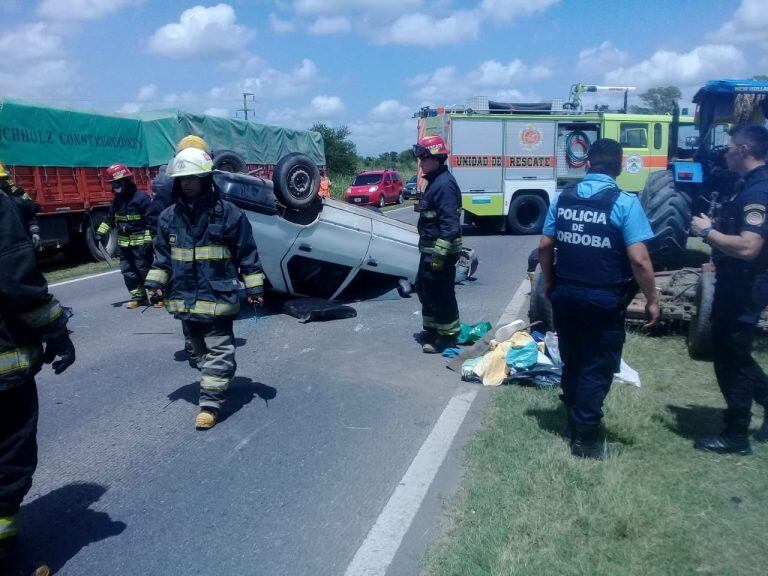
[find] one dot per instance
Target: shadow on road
(242, 391)
(56, 526)
(692, 421)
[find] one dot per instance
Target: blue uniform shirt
(627, 214)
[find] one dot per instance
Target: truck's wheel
(669, 212)
(700, 329)
(527, 213)
(228, 161)
(540, 308)
(297, 180)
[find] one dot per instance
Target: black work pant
(18, 444)
(439, 310)
(135, 262)
(735, 312)
(590, 329)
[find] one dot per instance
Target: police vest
(590, 248)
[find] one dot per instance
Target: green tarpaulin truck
(59, 157)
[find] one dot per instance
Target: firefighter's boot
(133, 304)
(440, 343)
(206, 419)
(426, 335)
(587, 442)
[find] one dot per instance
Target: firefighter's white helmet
(190, 162)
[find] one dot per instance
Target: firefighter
(27, 205)
(134, 241)
(325, 184)
(600, 233)
(33, 331)
(202, 244)
(439, 229)
(737, 239)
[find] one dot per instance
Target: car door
(327, 254)
(386, 187)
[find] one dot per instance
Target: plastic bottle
(504, 333)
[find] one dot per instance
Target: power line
(245, 108)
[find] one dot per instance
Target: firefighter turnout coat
(28, 313)
(439, 223)
(128, 214)
(201, 248)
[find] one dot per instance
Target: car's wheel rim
(299, 182)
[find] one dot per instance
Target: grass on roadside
(58, 268)
(658, 507)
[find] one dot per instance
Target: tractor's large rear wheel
(669, 212)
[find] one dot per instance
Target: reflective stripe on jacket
(200, 249)
(128, 214)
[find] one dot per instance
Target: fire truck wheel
(540, 308)
(297, 180)
(699, 338)
(669, 212)
(228, 161)
(526, 214)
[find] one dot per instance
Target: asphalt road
(322, 422)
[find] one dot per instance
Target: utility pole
(245, 108)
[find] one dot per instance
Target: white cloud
(364, 6)
(324, 106)
(281, 26)
(491, 78)
(220, 112)
(506, 10)
(201, 32)
(146, 92)
(331, 25)
(600, 59)
(373, 137)
(749, 24)
(682, 70)
(409, 29)
(71, 10)
(245, 64)
(389, 110)
(30, 42)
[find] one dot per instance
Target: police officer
(599, 232)
(439, 229)
(202, 244)
(129, 213)
(33, 331)
(741, 289)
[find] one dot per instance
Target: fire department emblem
(172, 238)
(530, 138)
(633, 163)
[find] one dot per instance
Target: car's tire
(699, 338)
(228, 161)
(382, 199)
(400, 198)
(297, 180)
(669, 212)
(540, 308)
(527, 213)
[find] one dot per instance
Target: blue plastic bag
(523, 357)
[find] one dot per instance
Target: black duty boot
(426, 336)
(733, 439)
(439, 344)
(587, 442)
(761, 434)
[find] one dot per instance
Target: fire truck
(511, 159)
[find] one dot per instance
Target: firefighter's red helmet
(430, 146)
(118, 172)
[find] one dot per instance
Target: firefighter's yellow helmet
(192, 141)
(4, 171)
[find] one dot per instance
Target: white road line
(379, 548)
(396, 209)
(83, 278)
(515, 310)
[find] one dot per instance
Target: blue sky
(367, 64)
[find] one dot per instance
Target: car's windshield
(411, 180)
(364, 179)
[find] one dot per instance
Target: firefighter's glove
(256, 300)
(438, 263)
(60, 347)
(155, 295)
(36, 241)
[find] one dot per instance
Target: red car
(376, 187)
